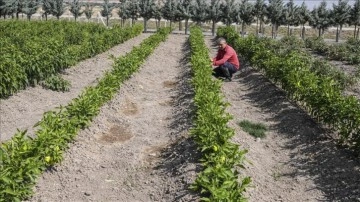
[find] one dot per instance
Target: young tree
(183, 12)
(320, 18)
(304, 17)
(2, 8)
(88, 11)
(123, 12)
(75, 8)
(133, 10)
(6, 8)
(30, 8)
(57, 8)
(12, 7)
(106, 11)
(169, 10)
(245, 15)
(228, 9)
(199, 11)
(355, 18)
(214, 14)
(275, 15)
(291, 14)
(260, 11)
(147, 10)
(340, 15)
(47, 8)
(157, 14)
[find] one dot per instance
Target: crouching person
(226, 61)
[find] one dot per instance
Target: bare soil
(25, 108)
(297, 160)
(137, 148)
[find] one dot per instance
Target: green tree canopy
(320, 18)
(146, 10)
(355, 18)
(275, 11)
(340, 15)
(75, 8)
(214, 14)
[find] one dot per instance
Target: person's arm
(218, 56)
(221, 61)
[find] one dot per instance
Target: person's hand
(211, 60)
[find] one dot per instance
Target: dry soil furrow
(136, 149)
(25, 108)
(295, 161)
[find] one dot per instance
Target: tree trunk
(58, 17)
(288, 30)
(170, 24)
(145, 23)
(337, 33)
(243, 29)
(303, 32)
(355, 31)
(28, 17)
(186, 26)
(357, 34)
(319, 32)
(339, 36)
(107, 21)
(17, 15)
(75, 17)
(213, 28)
(276, 30)
(180, 26)
(272, 31)
(257, 26)
(45, 16)
(132, 21)
(159, 23)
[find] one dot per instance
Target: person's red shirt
(227, 54)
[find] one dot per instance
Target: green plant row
(221, 158)
(319, 66)
(23, 158)
(320, 95)
(349, 51)
(32, 51)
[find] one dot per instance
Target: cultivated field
(142, 118)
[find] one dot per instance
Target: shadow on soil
(180, 160)
(335, 171)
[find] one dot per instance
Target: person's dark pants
(226, 70)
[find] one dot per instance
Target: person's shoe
(227, 79)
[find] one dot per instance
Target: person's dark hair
(221, 40)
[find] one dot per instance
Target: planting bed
(25, 108)
(138, 147)
(296, 161)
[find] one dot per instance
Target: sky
(312, 3)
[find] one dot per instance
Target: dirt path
(137, 148)
(26, 108)
(296, 161)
